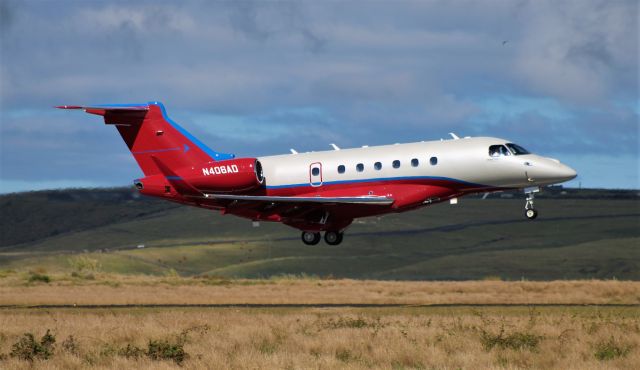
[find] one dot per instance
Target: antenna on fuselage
(454, 136)
(334, 146)
(293, 151)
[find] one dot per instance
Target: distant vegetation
(580, 234)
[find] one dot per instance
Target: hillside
(580, 234)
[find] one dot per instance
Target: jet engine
(228, 176)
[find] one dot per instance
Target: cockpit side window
(498, 150)
(517, 149)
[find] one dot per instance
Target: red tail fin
(148, 133)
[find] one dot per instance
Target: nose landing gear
(529, 211)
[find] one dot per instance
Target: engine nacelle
(232, 175)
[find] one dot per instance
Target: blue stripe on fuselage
(339, 182)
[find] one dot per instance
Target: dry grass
(23, 289)
(398, 338)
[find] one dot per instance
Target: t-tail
(174, 162)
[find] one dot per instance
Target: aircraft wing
(365, 199)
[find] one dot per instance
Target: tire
(310, 238)
(531, 214)
(333, 237)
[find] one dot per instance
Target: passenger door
(315, 174)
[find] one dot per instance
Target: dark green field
(578, 235)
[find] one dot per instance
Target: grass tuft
(611, 349)
(70, 345)
(516, 340)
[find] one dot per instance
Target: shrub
(131, 351)
(165, 350)
(84, 263)
(611, 349)
(171, 273)
(344, 355)
(37, 277)
(352, 323)
(28, 349)
(515, 340)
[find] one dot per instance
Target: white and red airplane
(322, 191)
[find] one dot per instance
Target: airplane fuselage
(326, 190)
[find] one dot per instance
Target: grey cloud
(261, 21)
(379, 71)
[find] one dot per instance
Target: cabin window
(415, 162)
(498, 151)
(517, 149)
(360, 167)
(315, 171)
(396, 164)
(377, 166)
(341, 168)
(433, 161)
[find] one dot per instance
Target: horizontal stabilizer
(110, 107)
(368, 199)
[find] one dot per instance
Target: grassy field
(28, 289)
(75, 292)
(323, 338)
(575, 238)
(415, 325)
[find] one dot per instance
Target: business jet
(322, 191)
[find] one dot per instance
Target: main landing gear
(529, 210)
(330, 237)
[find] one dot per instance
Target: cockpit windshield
(517, 149)
(498, 150)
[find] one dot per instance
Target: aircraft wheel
(310, 238)
(333, 237)
(531, 213)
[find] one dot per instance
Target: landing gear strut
(529, 210)
(310, 238)
(333, 237)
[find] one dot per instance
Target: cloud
(307, 73)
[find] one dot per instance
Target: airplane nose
(550, 171)
(568, 173)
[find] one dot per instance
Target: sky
(560, 78)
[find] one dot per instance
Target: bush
(165, 350)
(28, 349)
(353, 323)
(344, 355)
(84, 263)
(611, 349)
(131, 351)
(515, 340)
(37, 277)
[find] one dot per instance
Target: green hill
(579, 234)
